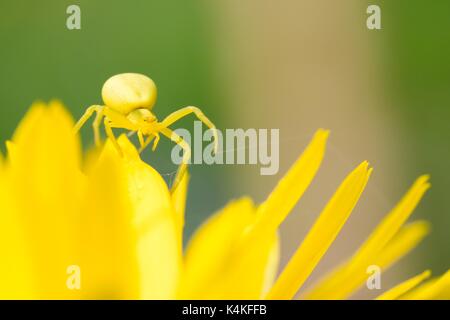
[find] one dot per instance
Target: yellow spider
(129, 99)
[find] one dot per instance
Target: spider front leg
(141, 139)
(114, 119)
(186, 155)
(149, 140)
(110, 135)
(155, 143)
(97, 122)
(177, 115)
(96, 126)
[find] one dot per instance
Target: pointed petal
(45, 185)
(434, 289)
(322, 234)
(403, 242)
(346, 279)
(393, 221)
(382, 234)
(399, 290)
(290, 189)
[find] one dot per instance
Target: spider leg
(114, 119)
(146, 143)
(110, 135)
(96, 126)
(186, 155)
(149, 140)
(177, 115)
(140, 138)
(85, 117)
(118, 120)
(155, 143)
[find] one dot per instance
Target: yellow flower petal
(109, 222)
(272, 268)
(322, 234)
(435, 289)
(220, 263)
(347, 278)
(116, 219)
(403, 242)
(138, 243)
(342, 276)
(45, 184)
(108, 260)
(289, 190)
(393, 221)
(15, 271)
(399, 290)
(158, 234)
(179, 196)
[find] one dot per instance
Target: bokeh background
(296, 65)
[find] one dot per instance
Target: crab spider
(128, 102)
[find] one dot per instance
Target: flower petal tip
(321, 135)
(365, 166)
(426, 274)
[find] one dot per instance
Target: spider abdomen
(126, 92)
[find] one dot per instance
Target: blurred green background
(416, 51)
(293, 65)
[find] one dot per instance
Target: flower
(113, 218)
